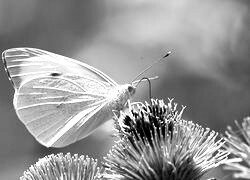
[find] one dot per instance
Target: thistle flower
(63, 167)
(155, 143)
(238, 144)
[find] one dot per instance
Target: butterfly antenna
(159, 60)
(149, 86)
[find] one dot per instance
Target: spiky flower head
(155, 143)
(63, 167)
(238, 144)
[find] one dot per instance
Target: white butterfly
(61, 100)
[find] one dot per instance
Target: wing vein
(32, 73)
(74, 121)
(24, 65)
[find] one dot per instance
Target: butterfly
(61, 100)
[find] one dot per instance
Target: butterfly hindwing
(49, 111)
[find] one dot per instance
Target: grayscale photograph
(125, 90)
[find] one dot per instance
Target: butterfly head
(121, 95)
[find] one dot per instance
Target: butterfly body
(61, 100)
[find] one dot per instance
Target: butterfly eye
(131, 90)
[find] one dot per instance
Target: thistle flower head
(238, 144)
(63, 167)
(155, 143)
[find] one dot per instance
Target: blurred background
(208, 70)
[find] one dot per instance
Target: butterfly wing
(58, 99)
(25, 63)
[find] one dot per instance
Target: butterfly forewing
(24, 63)
(59, 100)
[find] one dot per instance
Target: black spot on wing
(55, 74)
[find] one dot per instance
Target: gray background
(208, 70)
